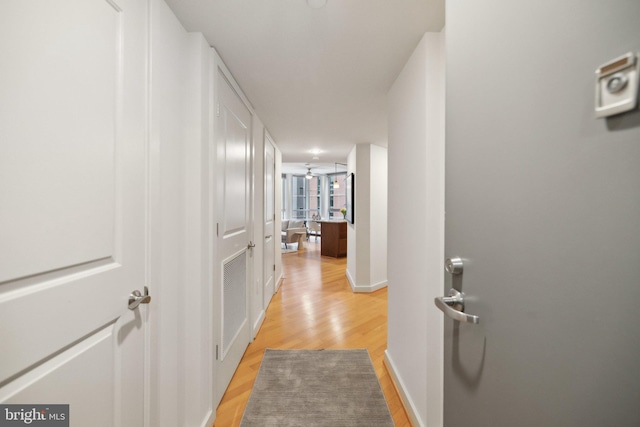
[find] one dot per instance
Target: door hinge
(274, 267)
(218, 109)
(217, 352)
(217, 229)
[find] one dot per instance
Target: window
(305, 198)
(314, 197)
(337, 197)
(298, 196)
(283, 210)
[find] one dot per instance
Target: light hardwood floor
(315, 308)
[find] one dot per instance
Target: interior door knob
(454, 265)
(136, 298)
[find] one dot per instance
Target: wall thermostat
(617, 86)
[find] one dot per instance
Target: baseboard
(258, 324)
(279, 282)
(365, 289)
(209, 419)
(371, 288)
(350, 279)
(407, 403)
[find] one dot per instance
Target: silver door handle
(268, 237)
(136, 298)
(251, 245)
(453, 306)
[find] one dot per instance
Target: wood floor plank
(315, 308)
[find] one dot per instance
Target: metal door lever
(268, 237)
(136, 298)
(453, 306)
(251, 245)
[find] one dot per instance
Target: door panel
(269, 215)
(542, 204)
(42, 384)
(235, 182)
(72, 216)
(233, 129)
(48, 93)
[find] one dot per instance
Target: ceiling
(316, 168)
(317, 78)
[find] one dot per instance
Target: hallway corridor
(314, 309)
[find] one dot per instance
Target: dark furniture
(334, 239)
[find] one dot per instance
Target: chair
(292, 231)
(313, 229)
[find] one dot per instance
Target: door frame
(275, 241)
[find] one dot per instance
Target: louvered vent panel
(234, 299)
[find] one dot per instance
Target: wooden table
(333, 240)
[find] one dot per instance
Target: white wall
(367, 237)
(180, 331)
(378, 217)
(352, 243)
(324, 196)
(416, 230)
(288, 191)
(168, 47)
(196, 353)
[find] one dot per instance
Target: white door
(72, 207)
(233, 130)
(543, 207)
(270, 237)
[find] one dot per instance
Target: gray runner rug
(313, 388)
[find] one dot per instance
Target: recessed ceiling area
(316, 168)
(317, 77)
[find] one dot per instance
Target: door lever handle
(268, 237)
(136, 298)
(251, 245)
(453, 306)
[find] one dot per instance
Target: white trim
(211, 216)
(365, 289)
(209, 419)
(258, 324)
(406, 400)
(352, 282)
(279, 282)
(150, 399)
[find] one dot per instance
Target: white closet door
(72, 207)
(270, 237)
(233, 130)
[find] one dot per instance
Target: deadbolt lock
(454, 265)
